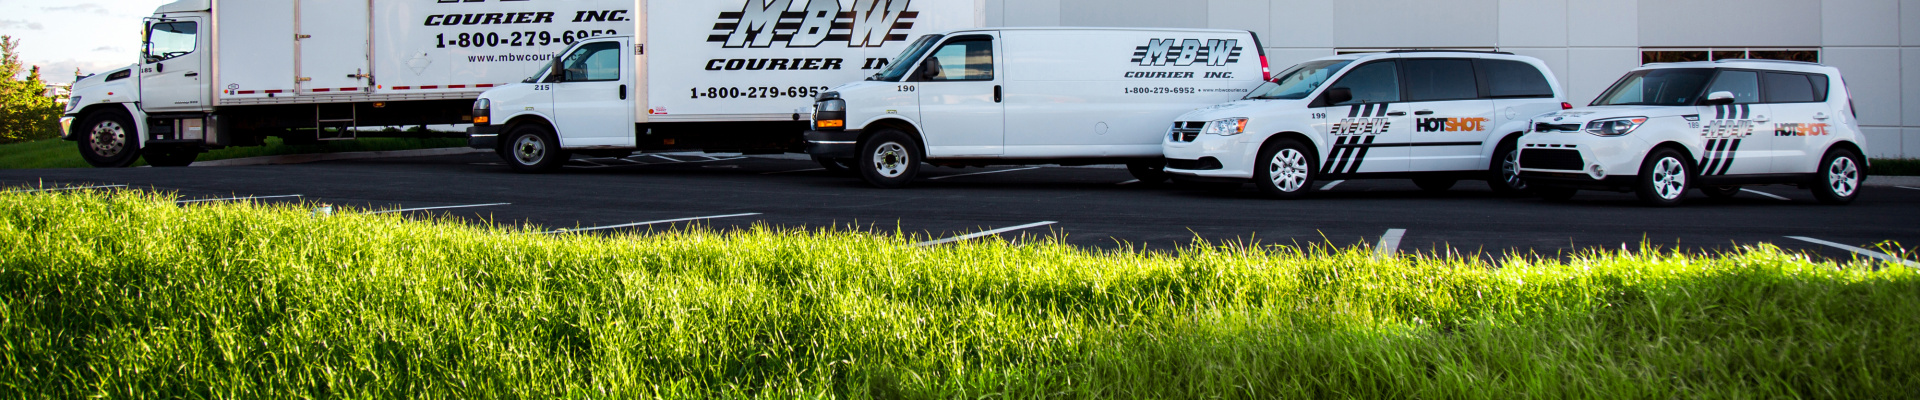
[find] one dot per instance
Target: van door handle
(1760, 118)
(1422, 113)
(623, 92)
(996, 93)
(1397, 114)
(1820, 116)
(191, 74)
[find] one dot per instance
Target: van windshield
(1657, 87)
(904, 63)
(1298, 82)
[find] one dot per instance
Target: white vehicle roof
(1772, 65)
(1090, 29)
(1432, 54)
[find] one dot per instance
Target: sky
(60, 35)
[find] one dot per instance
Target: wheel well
(516, 122)
(903, 126)
(85, 113)
(1493, 155)
(1850, 146)
(1313, 150)
(1676, 146)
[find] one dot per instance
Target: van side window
(594, 62)
(1440, 79)
(965, 59)
(1377, 82)
(1789, 88)
(1745, 86)
(1505, 79)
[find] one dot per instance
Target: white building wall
(1588, 43)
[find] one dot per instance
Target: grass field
(56, 153)
(126, 295)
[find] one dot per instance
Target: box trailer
(220, 73)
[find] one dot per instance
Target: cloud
(95, 8)
(62, 71)
(110, 49)
(19, 24)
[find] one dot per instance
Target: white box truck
(219, 73)
(716, 76)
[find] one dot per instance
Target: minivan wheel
(1840, 175)
(1504, 174)
(1285, 169)
(1664, 179)
(890, 159)
(109, 139)
(532, 148)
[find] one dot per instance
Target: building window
(1650, 56)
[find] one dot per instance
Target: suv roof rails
(1448, 51)
(1767, 60)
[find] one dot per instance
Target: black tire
(1664, 178)
(838, 166)
(1841, 173)
(1435, 185)
(533, 148)
(890, 159)
(1150, 172)
(1555, 194)
(1720, 192)
(1503, 175)
(170, 156)
(1286, 169)
(109, 139)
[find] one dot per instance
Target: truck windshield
(1298, 82)
(904, 63)
(1657, 87)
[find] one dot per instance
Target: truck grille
(1185, 132)
(1556, 159)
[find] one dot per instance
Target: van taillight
(1566, 106)
(1264, 71)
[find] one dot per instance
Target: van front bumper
(833, 144)
(484, 137)
(1577, 159)
(1211, 156)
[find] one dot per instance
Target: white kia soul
(1713, 126)
(1436, 117)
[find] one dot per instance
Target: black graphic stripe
(1707, 161)
(1339, 148)
(1383, 110)
(1353, 111)
(1720, 112)
(1732, 151)
(1746, 111)
(1362, 157)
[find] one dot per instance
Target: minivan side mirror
(1718, 99)
(1339, 95)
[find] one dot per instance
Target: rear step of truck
(343, 117)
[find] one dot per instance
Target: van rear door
(962, 108)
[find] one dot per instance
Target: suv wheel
(1285, 169)
(890, 159)
(1840, 177)
(1664, 179)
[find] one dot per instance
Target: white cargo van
(1073, 96)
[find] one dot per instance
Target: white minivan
(1070, 96)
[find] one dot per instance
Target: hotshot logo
(762, 23)
(1185, 52)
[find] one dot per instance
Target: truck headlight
(482, 112)
(830, 115)
(1615, 126)
(1226, 127)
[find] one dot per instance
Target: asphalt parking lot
(1094, 207)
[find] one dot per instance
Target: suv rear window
(1440, 79)
(1793, 88)
(1507, 79)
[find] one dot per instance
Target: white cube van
(1070, 96)
(1714, 126)
(1436, 117)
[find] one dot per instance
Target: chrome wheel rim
(1843, 176)
(1510, 170)
(1669, 178)
(109, 139)
(890, 160)
(1288, 170)
(529, 150)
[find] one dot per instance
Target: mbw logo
(761, 23)
(1178, 52)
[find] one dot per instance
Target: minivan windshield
(1657, 87)
(904, 63)
(1298, 82)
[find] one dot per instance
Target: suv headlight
(1226, 127)
(1615, 126)
(482, 112)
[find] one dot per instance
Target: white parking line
(66, 188)
(1129, 182)
(1856, 250)
(1389, 244)
(1774, 196)
(664, 157)
(666, 221)
(1330, 185)
(239, 198)
(794, 171)
(692, 162)
(984, 234)
(984, 173)
(438, 208)
(1909, 188)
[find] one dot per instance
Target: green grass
(126, 295)
(56, 153)
(1894, 167)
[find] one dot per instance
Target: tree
(26, 113)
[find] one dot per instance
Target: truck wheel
(836, 166)
(533, 148)
(1285, 170)
(1150, 172)
(1664, 179)
(1840, 177)
(109, 140)
(889, 159)
(1435, 185)
(1504, 174)
(1720, 192)
(170, 156)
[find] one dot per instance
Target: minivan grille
(1555, 159)
(1185, 131)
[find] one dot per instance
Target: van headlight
(482, 112)
(1615, 126)
(830, 115)
(1226, 127)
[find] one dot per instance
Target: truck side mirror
(1339, 95)
(1720, 98)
